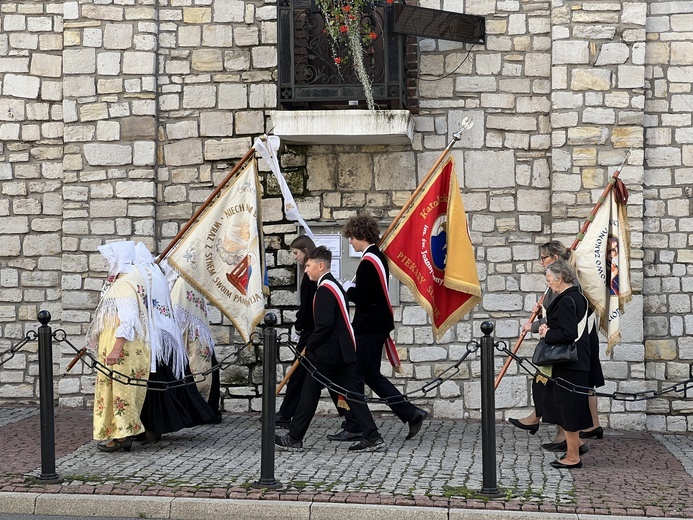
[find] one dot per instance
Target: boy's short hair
(321, 254)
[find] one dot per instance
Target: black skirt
(563, 407)
(170, 410)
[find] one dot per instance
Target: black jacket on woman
(560, 405)
(562, 317)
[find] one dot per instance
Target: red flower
(390, 1)
(343, 28)
(347, 8)
(372, 35)
(338, 60)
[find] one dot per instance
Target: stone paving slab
(626, 473)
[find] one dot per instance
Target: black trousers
(344, 375)
(369, 350)
(295, 386)
(293, 392)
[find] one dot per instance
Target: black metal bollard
(269, 384)
(45, 344)
(488, 414)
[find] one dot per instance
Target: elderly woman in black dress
(566, 320)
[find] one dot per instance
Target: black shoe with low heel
(563, 446)
(597, 433)
(559, 465)
(125, 445)
(555, 446)
(531, 428)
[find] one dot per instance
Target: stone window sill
(349, 127)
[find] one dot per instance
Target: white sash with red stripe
(390, 347)
(341, 301)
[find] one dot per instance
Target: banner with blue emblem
(430, 251)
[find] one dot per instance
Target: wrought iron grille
(309, 78)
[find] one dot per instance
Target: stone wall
(118, 119)
(667, 223)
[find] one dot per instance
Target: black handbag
(547, 354)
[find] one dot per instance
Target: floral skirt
(117, 406)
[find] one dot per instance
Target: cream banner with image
(604, 266)
(221, 253)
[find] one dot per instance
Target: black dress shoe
(345, 436)
(563, 446)
(415, 422)
(555, 446)
(531, 428)
(597, 432)
(559, 465)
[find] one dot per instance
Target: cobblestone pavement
(626, 473)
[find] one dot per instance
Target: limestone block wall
(117, 119)
(667, 192)
(31, 152)
(598, 110)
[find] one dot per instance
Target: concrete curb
(222, 509)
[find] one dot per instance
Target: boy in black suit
(331, 349)
(372, 323)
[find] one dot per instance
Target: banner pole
(580, 236)
(599, 203)
(516, 347)
(206, 203)
(466, 124)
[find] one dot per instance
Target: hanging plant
(350, 30)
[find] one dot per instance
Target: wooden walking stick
(580, 236)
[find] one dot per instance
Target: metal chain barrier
(256, 339)
(8, 354)
(681, 386)
(92, 362)
(434, 383)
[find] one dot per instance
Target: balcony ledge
(348, 127)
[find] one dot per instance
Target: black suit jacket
(331, 342)
(372, 314)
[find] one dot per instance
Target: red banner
(430, 251)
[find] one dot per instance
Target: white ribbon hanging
(267, 147)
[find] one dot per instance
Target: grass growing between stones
(463, 492)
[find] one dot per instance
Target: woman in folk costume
(167, 409)
(190, 313)
(119, 331)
